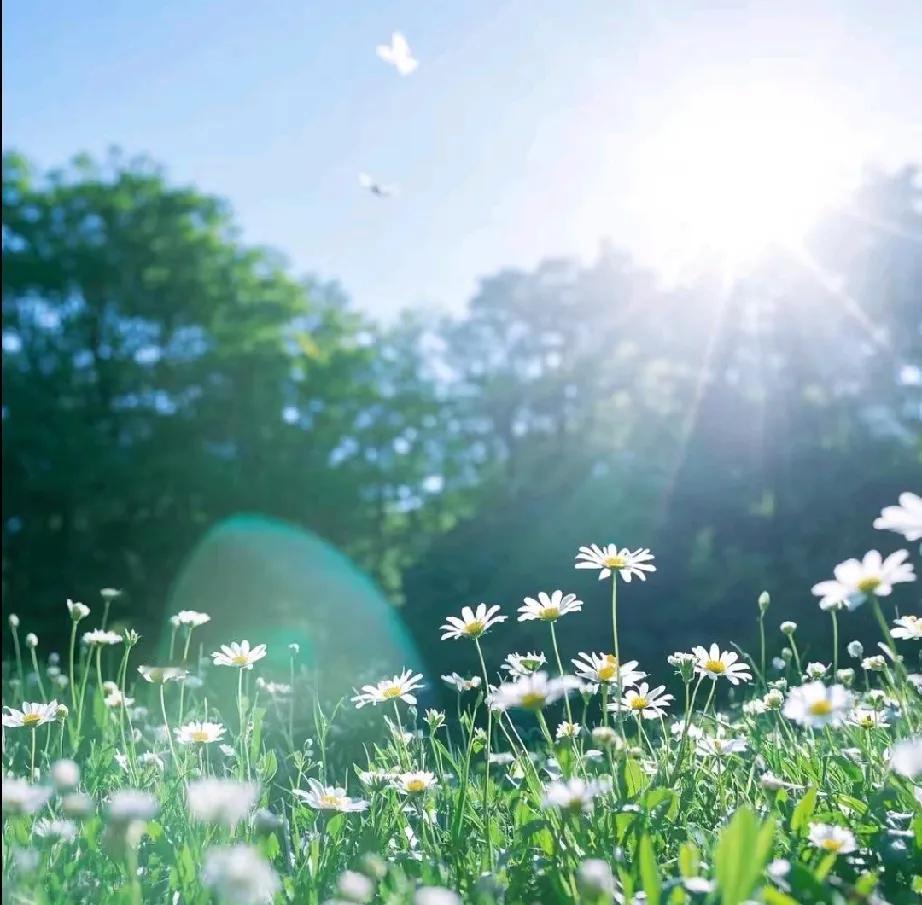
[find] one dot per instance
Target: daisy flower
(549, 608)
(577, 796)
(609, 559)
(472, 623)
(126, 805)
(399, 687)
(101, 636)
(31, 716)
(650, 704)
(568, 730)
(191, 618)
(830, 838)
(221, 801)
(273, 689)
(240, 655)
(21, 797)
(240, 875)
(329, 798)
(816, 670)
(520, 665)
(59, 830)
(815, 705)
(715, 746)
(414, 783)
(160, 675)
(906, 758)
(460, 684)
(865, 718)
(532, 692)
(908, 628)
(714, 663)
(603, 669)
(196, 733)
(905, 519)
(856, 578)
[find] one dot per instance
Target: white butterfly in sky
(398, 54)
(375, 187)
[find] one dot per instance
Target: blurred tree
(159, 376)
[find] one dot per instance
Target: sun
(738, 173)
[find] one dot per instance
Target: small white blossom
(906, 758)
(908, 628)
(240, 875)
(190, 618)
(856, 578)
(520, 665)
(472, 623)
(221, 801)
(830, 838)
(815, 705)
(905, 519)
(644, 701)
(573, 795)
(31, 716)
(608, 559)
(414, 783)
(77, 610)
(715, 663)
(532, 692)
(240, 655)
(329, 798)
(397, 688)
(549, 608)
(99, 637)
(460, 684)
(199, 733)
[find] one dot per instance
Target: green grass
(633, 811)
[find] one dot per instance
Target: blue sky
(523, 133)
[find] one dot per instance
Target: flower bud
(845, 676)
(764, 602)
(594, 878)
(65, 774)
(14, 620)
(855, 649)
(32, 640)
(788, 628)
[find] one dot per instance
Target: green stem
(166, 723)
(835, 642)
(762, 643)
(566, 699)
(38, 675)
(486, 766)
(619, 713)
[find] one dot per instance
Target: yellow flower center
(31, 719)
(866, 585)
(330, 801)
(550, 612)
(392, 691)
(416, 785)
(240, 660)
(820, 708)
(831, 845)
(717, 666)
(607, 672)
(475, 628)
(614, 562)
(533, 700)
(639, 702)
(201, 736)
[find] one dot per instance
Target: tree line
(160, 375)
